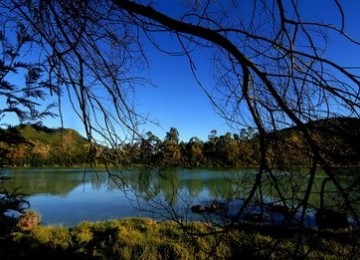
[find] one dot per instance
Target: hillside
(337, 140)
(58, 136)
(38, 145)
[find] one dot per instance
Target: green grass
(147, 239)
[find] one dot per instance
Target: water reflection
(68, 196)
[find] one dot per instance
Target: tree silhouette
(272, 67)
(22, 100)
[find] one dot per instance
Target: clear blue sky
(178, 101)
(174, 100)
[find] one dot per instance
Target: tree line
(227, 150)
(67, 148)
(37, 145)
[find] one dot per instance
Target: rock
(256, 217)
(198, 209)
(217, 206)
(281, 209)
(329, 218)
(213, 207)
(278, 209)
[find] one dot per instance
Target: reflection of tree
(145, 185)
(194, 186)
(169, 184)
(43, 182)
(98, 181)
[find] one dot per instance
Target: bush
(28, 220)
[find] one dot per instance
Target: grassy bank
(147, 239)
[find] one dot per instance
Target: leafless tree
(272, 70)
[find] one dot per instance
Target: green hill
(43, 134)
(37, 145)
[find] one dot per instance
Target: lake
(69, 196)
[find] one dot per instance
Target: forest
(38, 145)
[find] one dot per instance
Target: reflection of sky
(85, 202)
(61, 197)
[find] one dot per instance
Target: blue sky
(178, 101)
(174, 99)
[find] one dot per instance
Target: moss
(147, 239)
(53, 237)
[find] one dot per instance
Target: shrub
(28, 220)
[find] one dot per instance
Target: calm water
(69, 196)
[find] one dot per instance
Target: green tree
(210, 148)
(228, 150)
(195, 152)
(149, 148)
(170, 150)
(172, 136)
